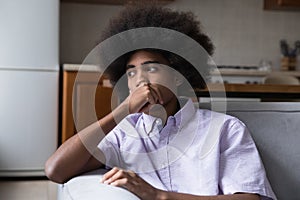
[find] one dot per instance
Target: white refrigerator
(29, 77)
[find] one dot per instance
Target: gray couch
(275, 128)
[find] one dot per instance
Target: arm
(73, 158)
(136, 185)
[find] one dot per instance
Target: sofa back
(275, 128)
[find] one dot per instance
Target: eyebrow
(144, 63)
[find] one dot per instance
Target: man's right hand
(143, 97)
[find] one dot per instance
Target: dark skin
(137, 75)
(144, 93)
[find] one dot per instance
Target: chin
(145, 109)
(155, 110)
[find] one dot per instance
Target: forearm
(72, 157)
(80, 153)
(67, 161)
(164, 195)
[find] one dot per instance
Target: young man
(232, 166)
(157, 151)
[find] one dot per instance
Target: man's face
(151, 68)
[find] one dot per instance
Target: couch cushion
(88, 187)
(275, 128)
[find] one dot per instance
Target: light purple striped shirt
(198, 152)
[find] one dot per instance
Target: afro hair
(151, 15)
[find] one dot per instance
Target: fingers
(143, 97)
(152, 94)
(109, 174)
(120, 182)
(130, 181)
(157, 93)
(119, 177)
(147, 93)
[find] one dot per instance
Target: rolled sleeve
(241, 169)
(110, 151)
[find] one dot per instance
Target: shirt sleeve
(241, 169)
(110, 148)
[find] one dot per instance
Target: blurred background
(43, 43)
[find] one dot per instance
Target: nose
(142, 78)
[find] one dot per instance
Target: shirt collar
(187, 111)
(149, 122)
(182, 117)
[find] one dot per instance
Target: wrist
(161, 195)
(121, 111)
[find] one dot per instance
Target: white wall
(243, 33)
(29, 34)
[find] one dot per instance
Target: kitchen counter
(247, 76)
(232, 72)
(83, 68)
(251, 91)
(232, 90)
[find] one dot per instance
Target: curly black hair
(151, 15)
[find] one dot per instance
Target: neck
(172, 107)
(166, 110)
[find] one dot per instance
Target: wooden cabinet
(79, 93)
(282, 5)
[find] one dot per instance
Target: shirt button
(158, 121)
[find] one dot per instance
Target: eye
(152, 68)
(130, 73)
